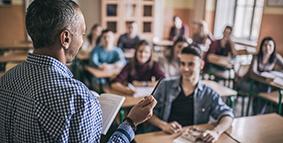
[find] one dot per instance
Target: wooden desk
(17, 57)
(163, 43)
(102, 74)
(83, 55)
(220, 89)
(16, 46)
(271, 83)
(161, 137)
(245, 49)
(223, 62)
(129, 100)
(273, 96)
(258, 129)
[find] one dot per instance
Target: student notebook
(191, 135)
(110, 106)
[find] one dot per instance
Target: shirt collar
(48, 61)
(178, 83)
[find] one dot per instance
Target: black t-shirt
(182, 109)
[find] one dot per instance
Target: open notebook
(110, 106)
(191, 135)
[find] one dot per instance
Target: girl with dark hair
(142, 69)
(267, 58)
(169, 63)
(93, 38)
(178, 29)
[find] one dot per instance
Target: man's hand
(210, 136)
(143, 110)
(171, 128)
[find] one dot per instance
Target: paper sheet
(143, 91)
(110, 106)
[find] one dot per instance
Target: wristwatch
(131, 123)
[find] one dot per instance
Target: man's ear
(65, 39)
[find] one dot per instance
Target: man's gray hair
(46, 19)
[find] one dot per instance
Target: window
(244, 15)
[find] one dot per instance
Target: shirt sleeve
(157, 72)
(279, 61)
(124, 134)
(94, 57)
(123, 75)
(121, 58)
(160, 98)
(120, 42)
(219, 108)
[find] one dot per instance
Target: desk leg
(250, 98)
(280, 103)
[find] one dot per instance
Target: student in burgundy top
(142, 70)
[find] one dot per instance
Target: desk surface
(264, 80)
(223, 62)
(161, 137)
(83, 55)
(245, 49)
(220, 89)
(258, 129)
(102, 73)
(16, 57)
(131, 101)
(16, 46)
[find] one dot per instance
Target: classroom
(141, 71)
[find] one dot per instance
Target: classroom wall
(12, 27)
(210, 6)
(272, 22)
(92, 11)
(182, 8)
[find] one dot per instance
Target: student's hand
(210, 136)
(143, 110)
(139, 83)
(105, 67)
(171, 128)
(131, 90)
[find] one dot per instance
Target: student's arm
(232, 46)
(157, 72)
(121, 59)
(279, 60)
(123, 76)
(214, 57)
(255, 66)
(213, 135)
(222, 113)
(169, 128)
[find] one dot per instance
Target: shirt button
(203, 109)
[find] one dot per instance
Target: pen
(155, 86)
